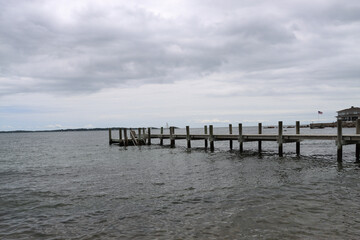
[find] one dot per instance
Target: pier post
(149, 136)
(240, 138)
(211, 137)
(357, 146)
(339, 141)
(298, 143)
(188, 137)
(259, 132)
(206, 141)
(120, 136)
(139, 137)
(231, 141)
(280, 138)
(126, 142)
(161, 138)
(110, 139)
(172, 139)
(144, 135)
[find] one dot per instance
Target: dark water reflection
(76, 186)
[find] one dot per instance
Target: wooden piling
(298, 142)
(172, 139)
(339, 141)
(280, 138)
(144, 134)
(161, 138)
(231, 141)
(139, 136)
(259, 132)
(188, 137)
(110, 139)
(211, 137)
(241, 149)
(126, 141)
(357, 146)
(206, 141)
(120, 136)
(149, 136)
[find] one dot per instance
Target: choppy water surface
(75, 186)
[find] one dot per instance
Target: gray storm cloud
(89, 46)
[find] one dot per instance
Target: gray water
(73, 185)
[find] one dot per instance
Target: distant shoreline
(58, 130)
(69, 130)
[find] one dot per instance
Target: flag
(320, 112)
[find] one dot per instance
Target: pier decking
(144, 137)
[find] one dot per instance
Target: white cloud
(54, 126)
(215, 120)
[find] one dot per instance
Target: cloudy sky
(70, 64)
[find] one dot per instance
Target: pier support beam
(139, 137)
(206, 132)
(149, 136)
(297, 143)
(240, 140)
(161, 138)
(211, 137)
(110, 139)
(120, 136)
(259, 132)
(144, 134)
(357, 146)
(172, 139)
(339, 141)
(126, 142)
(280, 138)
(231, 141)
(188, 137)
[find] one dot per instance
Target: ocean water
(73, 185)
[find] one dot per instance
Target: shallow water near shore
(73, 185)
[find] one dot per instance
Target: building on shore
(349, 114)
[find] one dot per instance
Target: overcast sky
(70, 64)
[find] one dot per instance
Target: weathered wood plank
(240, 138)
(172, 139)
(126, 142)
(259, 132)
(357, 146)
(188, 139)
(211, 138)
(161, 137)
(149, 136)
(298, 142)
(230, 132)
(339, 141)
(280, 138)
(206, 139)
(110, 139)
(263, 137)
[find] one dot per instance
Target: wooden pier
(144, 137)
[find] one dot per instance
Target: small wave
(55, 205)
(158, 183)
